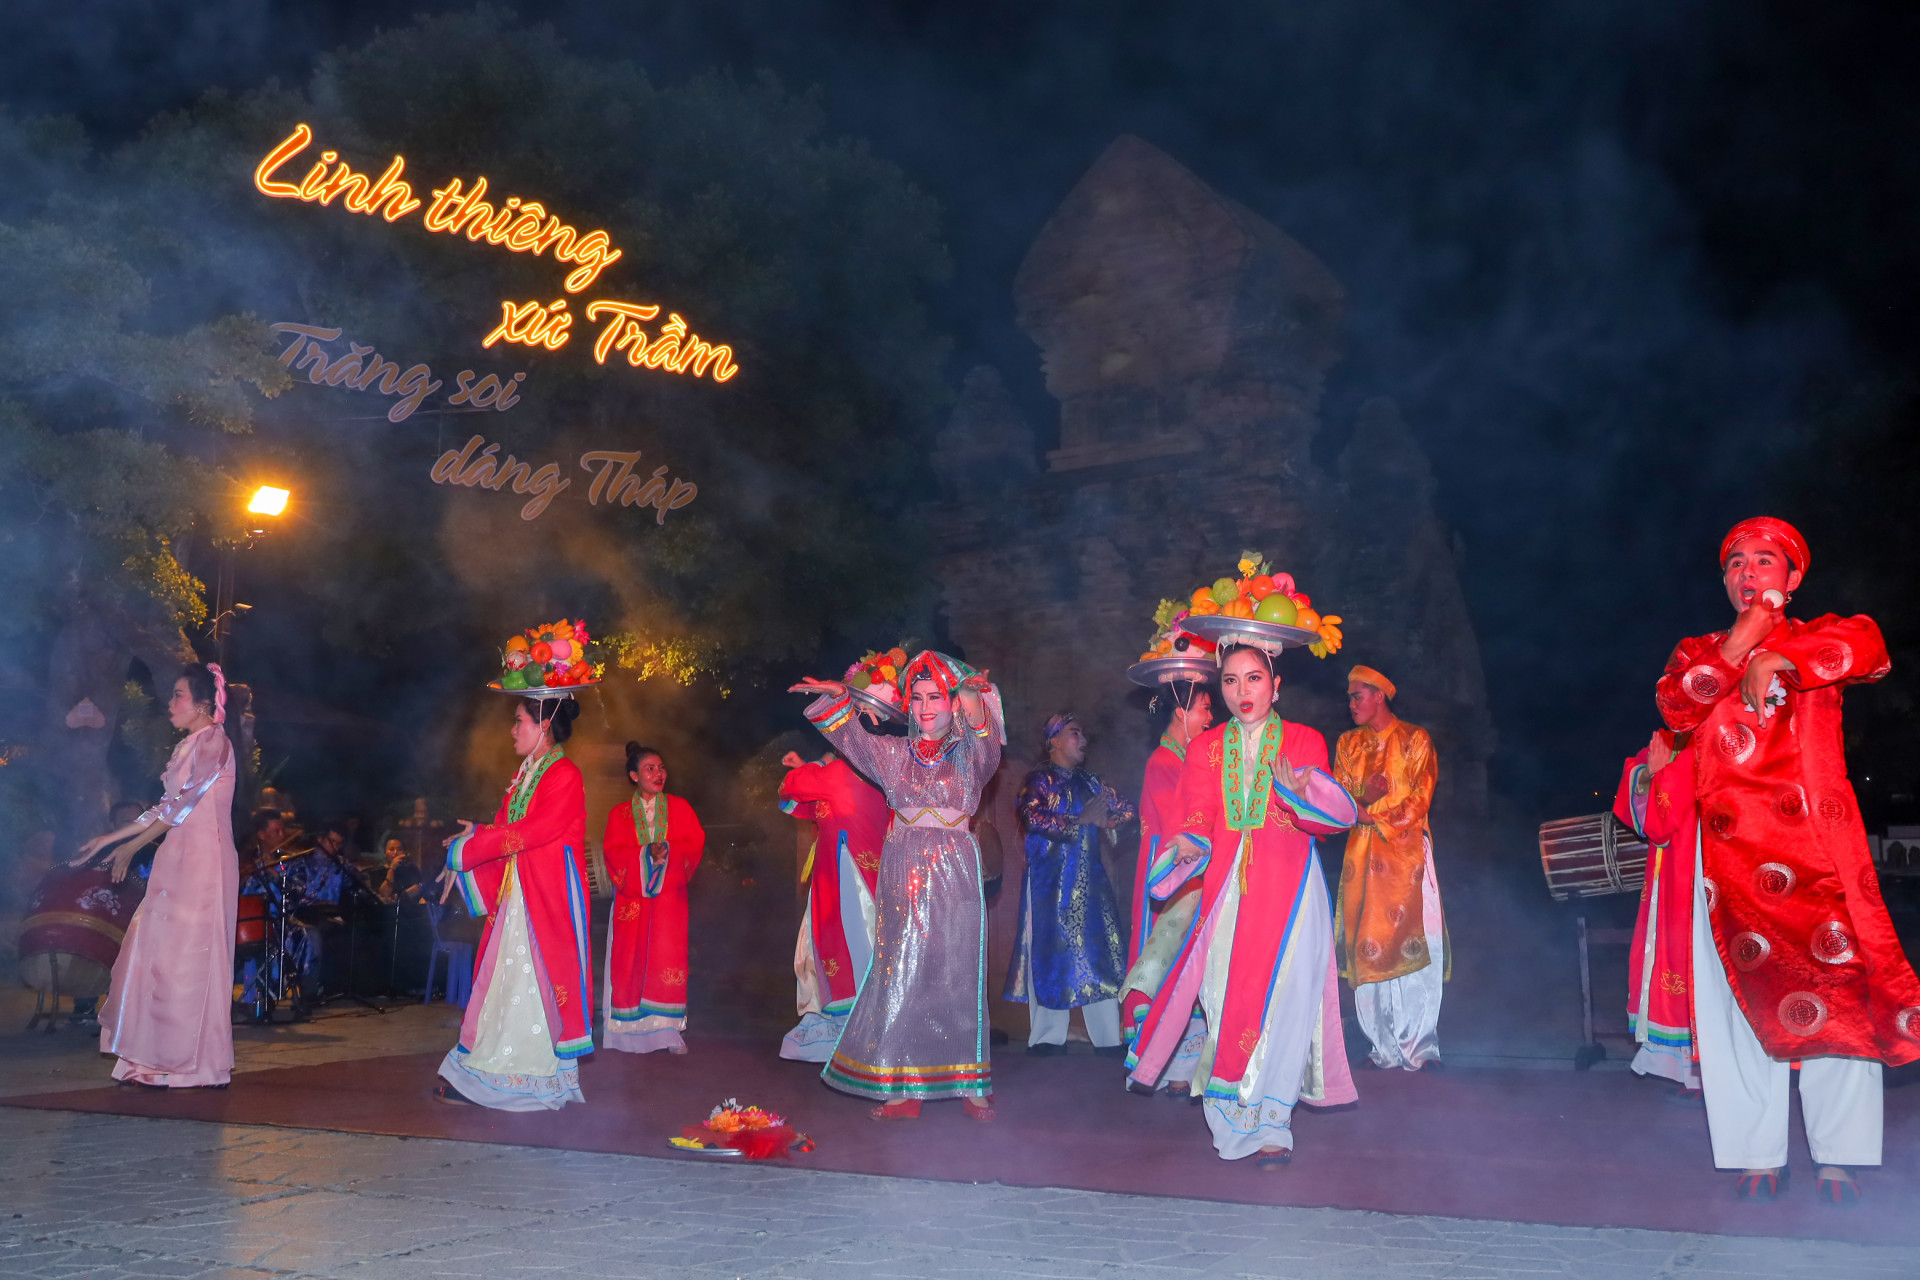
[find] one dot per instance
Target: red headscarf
(1778, 532)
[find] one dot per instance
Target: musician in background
(402, 881)
(271, 836)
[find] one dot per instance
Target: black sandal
(1840, 1193)
(1274, 1159)
(1762, 1186)
(446, 1093)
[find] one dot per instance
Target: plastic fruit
(1301, 600)
(1261, 587)
(1203, 595)
(517, 644)
(1225, 591)
(1241, 608)
(580, 672)
(535, 678)
(1277, 608)
(542, 652)
(1307, 620)
(561, 649)
(514, 680)
(1205, 608)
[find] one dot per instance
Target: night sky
(1622, 266)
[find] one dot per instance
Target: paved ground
(70, 1057)
(112, 1198)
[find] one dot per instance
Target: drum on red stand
(250, 926)
(75, 922)
(1591, 856)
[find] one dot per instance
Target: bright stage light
(268, 501)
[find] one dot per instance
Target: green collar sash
(527, 779)
(1178, 749)
(646, 830)
(1247, 805)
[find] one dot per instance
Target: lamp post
(268, 500)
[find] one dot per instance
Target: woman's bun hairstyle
(200, 685)
(558, 714)
(636, 753)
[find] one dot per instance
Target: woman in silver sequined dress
(919, 1027)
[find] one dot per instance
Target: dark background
(1632, 271)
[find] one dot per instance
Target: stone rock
(1186, 340)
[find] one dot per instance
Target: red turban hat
(1778, 532)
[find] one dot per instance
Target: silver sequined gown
(919, 1026)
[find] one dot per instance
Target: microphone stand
(357, 883)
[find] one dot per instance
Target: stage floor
(1601, 1149)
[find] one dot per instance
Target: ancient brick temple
(1186, 340)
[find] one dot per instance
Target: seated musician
(403, 881)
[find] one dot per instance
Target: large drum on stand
(71, 936)
(1591, 856)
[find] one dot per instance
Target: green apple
(1277, 608)
(514, 680)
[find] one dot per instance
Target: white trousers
(1401, 1016)
(1050, 1025)
(1841, 1099)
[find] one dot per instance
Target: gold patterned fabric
(1381, 928)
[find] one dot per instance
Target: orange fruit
(1204, 596)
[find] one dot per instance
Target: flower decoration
(1265, 596)
(878, 674)
(553, 655)
(731, 1117)
(753, 1132)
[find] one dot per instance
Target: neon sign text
(532, 324)
(475, 467)
(362, 195)
(522, 227)
(517, 225)
(674, 349)
(364, 369)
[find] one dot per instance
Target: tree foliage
(144, 391)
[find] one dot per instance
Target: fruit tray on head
(864, 701)
(1224, 631)
(544, 692)
(1154, 672)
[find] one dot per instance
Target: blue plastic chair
(459, 961)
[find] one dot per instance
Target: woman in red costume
(1794, 957)
(1256, 792)
(531, 1012)
(653, 846)
(1160, 928)
(1656, 800)
(850, 819)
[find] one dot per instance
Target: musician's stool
(459, 961)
